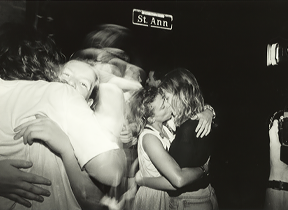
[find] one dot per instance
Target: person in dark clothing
(183, 94)
(189, 151)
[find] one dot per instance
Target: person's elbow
(87, 194)
(114, 172)
(108, 168)
(88, 201)
(178, 182)
(177, 179)
(110, 175)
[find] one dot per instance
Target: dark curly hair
(140, 109)
(27, 54)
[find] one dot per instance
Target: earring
(151, 120)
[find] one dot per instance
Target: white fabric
(110, 110)
(19, 102)
(148, 198)
(146, 167)
(171, 124)
(171, 136)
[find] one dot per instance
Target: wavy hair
(140, 109)
(27, 54)
(187, 98)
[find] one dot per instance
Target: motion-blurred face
(162, 109)
(80, 76)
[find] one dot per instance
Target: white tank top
(147, 169)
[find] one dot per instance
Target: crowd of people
(94, 132)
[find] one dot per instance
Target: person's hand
(18, 186)
(112, 203)
(43, 128)
(278, 168)
(139, 178)
(126, 136)
(126, 133)
(204, 126)
(206, 166)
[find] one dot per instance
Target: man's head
(81, 76)
(151, 81)
(27, 54)
(154, 77)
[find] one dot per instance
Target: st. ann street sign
(152, 19)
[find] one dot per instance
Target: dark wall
(12, 11)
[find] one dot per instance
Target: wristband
(203, 169)
(277, 185)
(207, 106)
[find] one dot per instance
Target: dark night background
(223, 43)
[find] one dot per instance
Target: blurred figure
(119, 49)
(112, 46)
(109, 35)
(18, 41)
(30, 55)
(277, 190)
(26, 60)
(111, 69)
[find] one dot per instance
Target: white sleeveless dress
(148, 198)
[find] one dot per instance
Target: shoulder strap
(148, 128)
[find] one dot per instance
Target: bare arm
(125, 84)
(86, 192)
(276, 199)
(108, 167)
(167, 165)
(157, 183)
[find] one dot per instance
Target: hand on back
(18, 185)
(43, 128)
